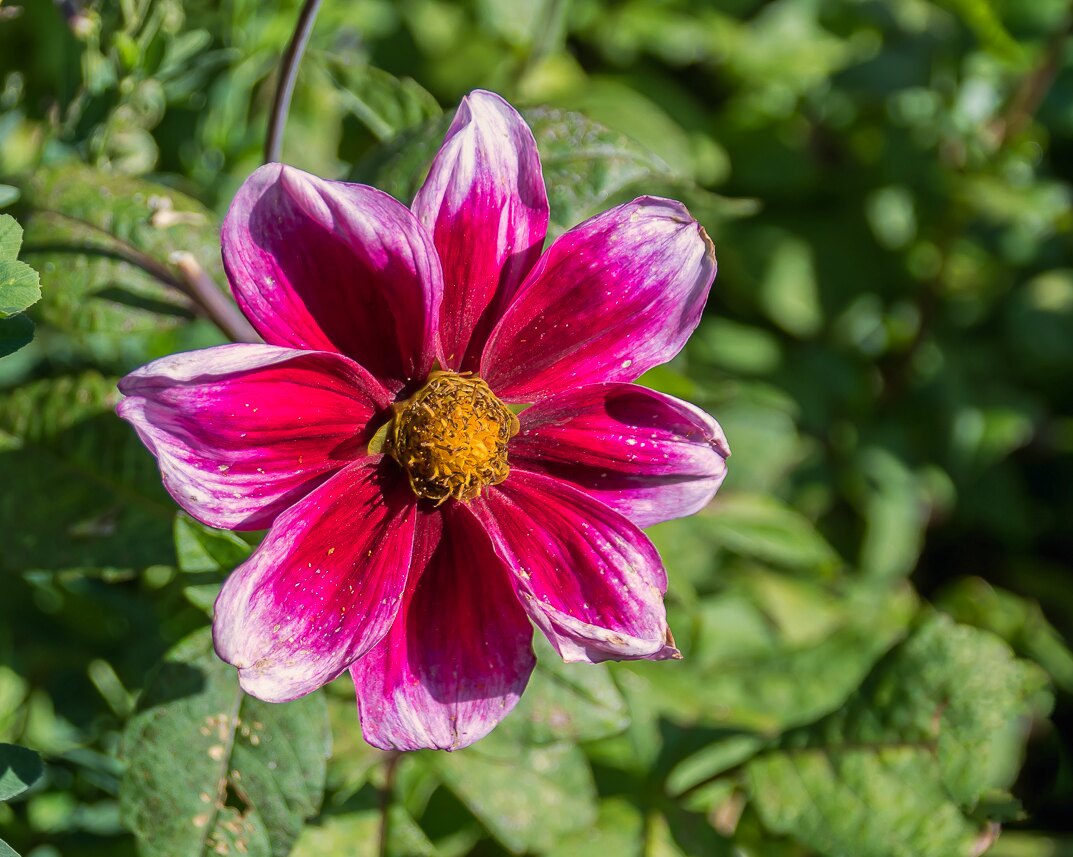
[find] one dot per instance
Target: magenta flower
(416, 523)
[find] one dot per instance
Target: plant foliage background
(876, 610)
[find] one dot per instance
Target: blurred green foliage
(876, 610)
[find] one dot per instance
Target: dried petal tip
(451, 438)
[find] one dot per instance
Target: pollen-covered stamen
(451, 437)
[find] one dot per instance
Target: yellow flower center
(451, 437)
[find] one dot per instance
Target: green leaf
(20, 768)
(566, 702)
(88, 494)
(19, 285)
(6, 850)
(206, 556)
(527, 797)
(939, 723)
(983, 19)
(1019, 621)
(896, 513)
(763, 528)
(209, 766)
(15, 332)
(10, 238)
(110, 241)
(618, 831)
(765, 679)
(385, 104)
(354, 830)
(587, 168)
(200, 549)
(789, 293)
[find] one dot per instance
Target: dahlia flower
(440, 432)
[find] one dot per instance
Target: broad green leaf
(200, 549)
(766, 683)
(15, 332)
(110, 241)
(739, 348)
(763, 528)
(566, 702)
(20, 768)
(677, 832)
(719, 756)
(10, 238)
(902, 766)
(19, 285)
(6, 850)
(618, 831)
(85, 491)
(354, 829)
(206, 556)
(1019, 621)
(353, 761)
(527, 797)
(209, 766)
(789, 293)
(895, 510)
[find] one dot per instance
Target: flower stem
(288, 74)
(203, 291)
(391, 765)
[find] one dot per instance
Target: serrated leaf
(937, 724)
(529, 797)
(209, 766)
(19, 285)
(88, 494)
(10, 238)
(110, 241)
(20, 768)
(587, 166)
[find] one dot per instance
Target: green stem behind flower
(288, 74)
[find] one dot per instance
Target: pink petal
(485, 206)
(609, 300)
(324, 586)
(459, 654)
(589, 579)
(241, 432)
(649, 456)
(332, 266)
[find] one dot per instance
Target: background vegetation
(875, 611)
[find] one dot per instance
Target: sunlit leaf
(209, 767)
(939, 722)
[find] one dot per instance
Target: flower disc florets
(451, 437)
